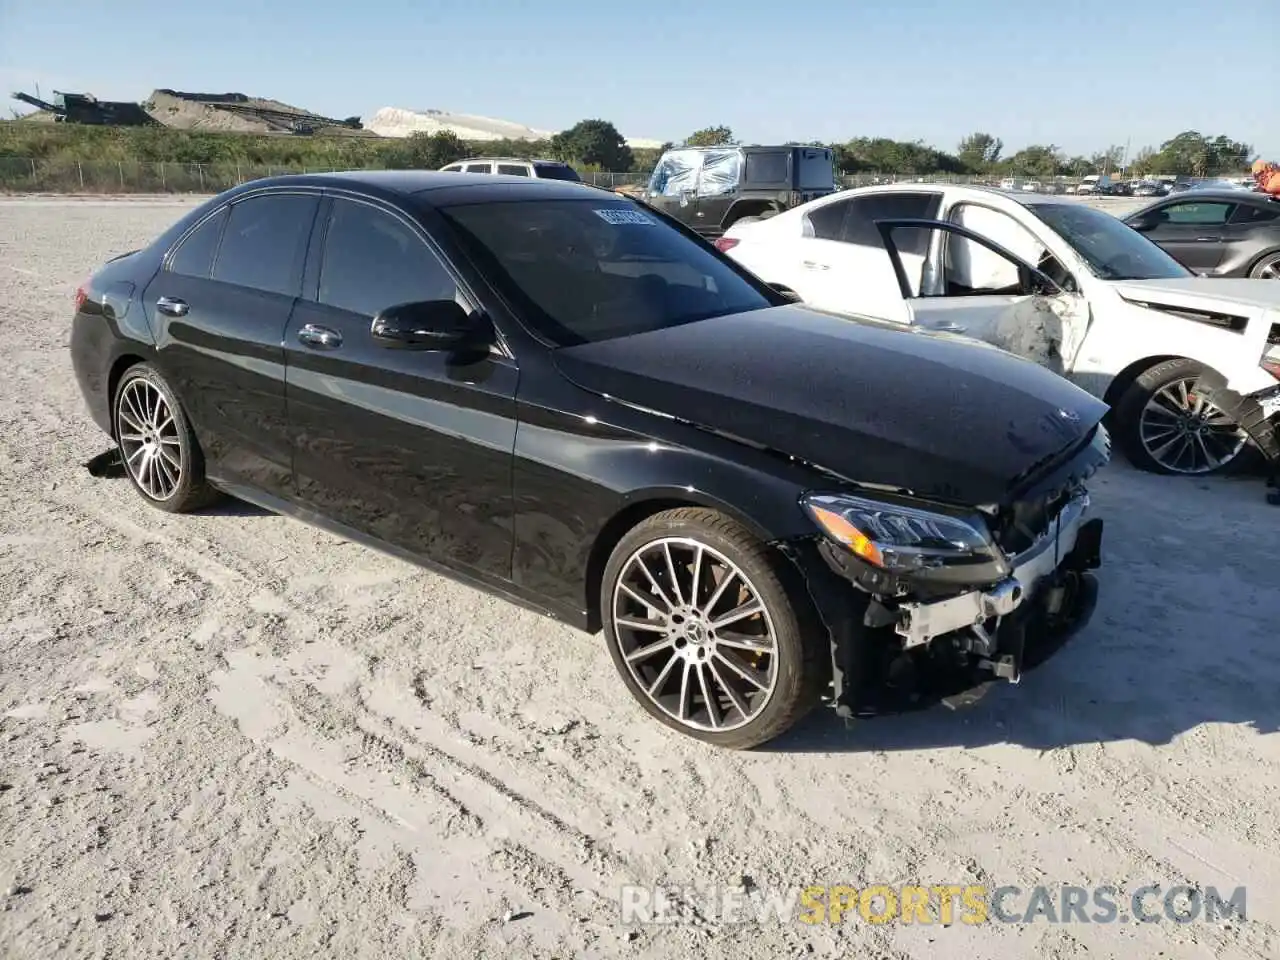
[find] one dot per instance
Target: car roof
(437, 188)
(556, 163)
(1230, 196)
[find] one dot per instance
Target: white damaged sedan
(1190, 365)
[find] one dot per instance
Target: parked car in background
(515, 167)
(1151, 188)
(712, 188)
(1033, 186)
(551, 393)
(1094, 183)
(1216, 233)
(1189, 365)
(1011, 183)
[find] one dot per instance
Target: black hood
(874, 403)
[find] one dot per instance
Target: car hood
(873, 403)
(1203, 293)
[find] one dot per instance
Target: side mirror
(441, 325)
(790, 294)
(1141, 224)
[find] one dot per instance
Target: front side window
(971, 268)
(265, 242)
(1196, 213)
(581, 271)
(373, 260)
(194, 258)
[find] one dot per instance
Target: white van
(1095, 183)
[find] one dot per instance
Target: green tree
(593, 142)
(710, 137)
(427, 151)
(1037, 160)
(980, 151)
(1108, 160)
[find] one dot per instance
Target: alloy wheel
(694, 634)
(1267, 270)
(1186, 433)
(149, 439)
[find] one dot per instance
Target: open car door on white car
(972, 286)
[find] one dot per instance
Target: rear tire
(735, 683)
(1163, 428)
(162, 457)
(1267, 267)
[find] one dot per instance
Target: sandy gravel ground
(231, 735)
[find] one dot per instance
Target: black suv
(712, 188)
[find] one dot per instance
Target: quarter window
(854, 220)
(373, 260)
(194, 258)
(1248, 213)
(265, 242)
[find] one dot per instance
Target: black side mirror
(442, 325)
(1141, 224)
(790, 294)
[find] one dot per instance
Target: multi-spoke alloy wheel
(157, 445)
(1268, 268)
(1186, 433)
(149, 440)
(703, 631)
(1167, 422)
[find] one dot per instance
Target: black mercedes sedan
(1218, 233)
(558, 395)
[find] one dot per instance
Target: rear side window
(513, 170)
(373, 260)
(265, 243)
(854, 220)
(767, 167)
(194, 258)
(1248, 213)
(556, 171)
(479, 168)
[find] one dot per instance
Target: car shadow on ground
(1185, 634)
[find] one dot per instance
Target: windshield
(1112, 250)
(556, 171)
(580, 271)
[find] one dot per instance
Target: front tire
(703, 631)
(1164, 426)
(161, 455)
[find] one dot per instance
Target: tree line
(596, 145)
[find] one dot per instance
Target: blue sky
(1081, 75)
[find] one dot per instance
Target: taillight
(81, 297)
(725, 244)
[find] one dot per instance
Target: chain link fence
(25, 175)
(21, 174)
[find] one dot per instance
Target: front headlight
(898, 538)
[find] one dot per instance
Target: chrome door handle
(814, 265)
(322, 337)
(172, 306)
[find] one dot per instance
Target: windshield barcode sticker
(617, 216)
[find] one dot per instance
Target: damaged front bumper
(888, 654)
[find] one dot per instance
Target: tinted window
(265, 242)
(767, 167)
(194, 258)
(556, 171)
(586, 270)
(816, 170)
(478, 167)
(1248, 213)
(373, 260)
(453, 168)
(853, 220)
(1198, 213)
(1112, 249)
(513, 170)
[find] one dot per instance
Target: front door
(410, 447)
(673, 187)
(219, 307)
(985, 292)
(1194, 232)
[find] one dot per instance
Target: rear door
(411, 447)
(1193, 231)
(219, 308)
(843, 264)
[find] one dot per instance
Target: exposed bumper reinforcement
(918, 623)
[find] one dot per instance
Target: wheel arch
(641, 507)
(748, 208)
(1253, 262)
(1123, 380)
(118, 368)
